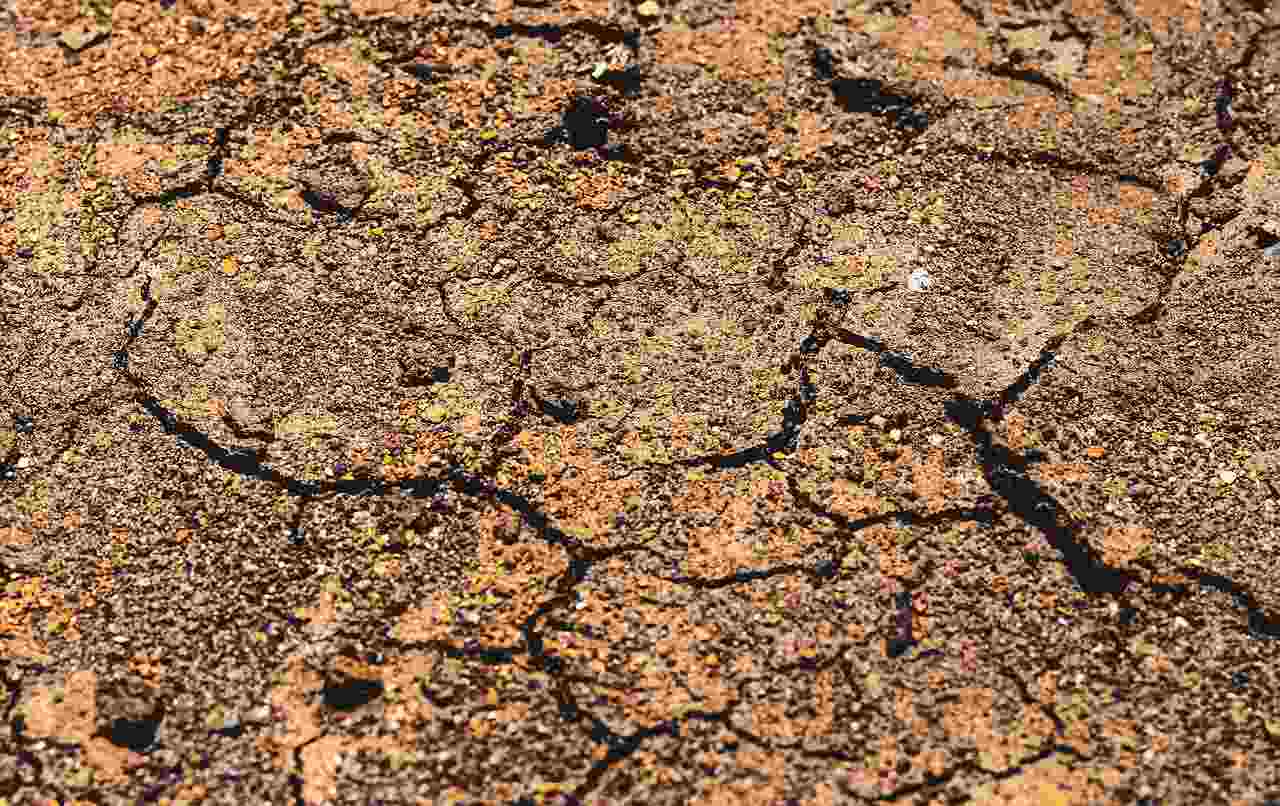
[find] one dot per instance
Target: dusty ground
(492, 403)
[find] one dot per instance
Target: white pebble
(919, 280)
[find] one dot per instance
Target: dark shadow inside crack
(869, 95)
(137, 735)
(350, 694)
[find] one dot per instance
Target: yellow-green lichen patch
(36, 498)
(1049, 288)
(34, 217)
(874, 271)
(306, 425)
(461, 247)
(435, 412)
(932, 212)
(1079, 273)
(194, 404)
(480, 301)
(449, 401)
(102, 441)
(191, 264)
(200, 336)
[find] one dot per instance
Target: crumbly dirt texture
(673, 402)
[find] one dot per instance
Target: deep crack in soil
(662, 402)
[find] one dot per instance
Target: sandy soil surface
(576, 401)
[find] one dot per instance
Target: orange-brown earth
(661, 402)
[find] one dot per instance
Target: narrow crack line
(1059, 727)
(737, 577)
(24, 756)
(746, 735)
(777, 281)
(297, 775)
(934, 784)
(1126, 9)
(268, 214)
(620, 748)
(1243, 65)
(813, 666)
(13, 372)
(1033, 76)
(1258, 624)
(545, 275)
(14, 687)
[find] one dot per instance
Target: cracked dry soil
(525, 402)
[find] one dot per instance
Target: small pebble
(260, 714)
(1227, 476)
(919, 280)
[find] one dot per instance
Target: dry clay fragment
(331, 180)
(248, 418)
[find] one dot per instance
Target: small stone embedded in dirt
(1140, 490)
(919, 280)
(245, 415)
(331, 181)
(258, 715)
(422, 370)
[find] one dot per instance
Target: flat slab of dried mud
(673, 402)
